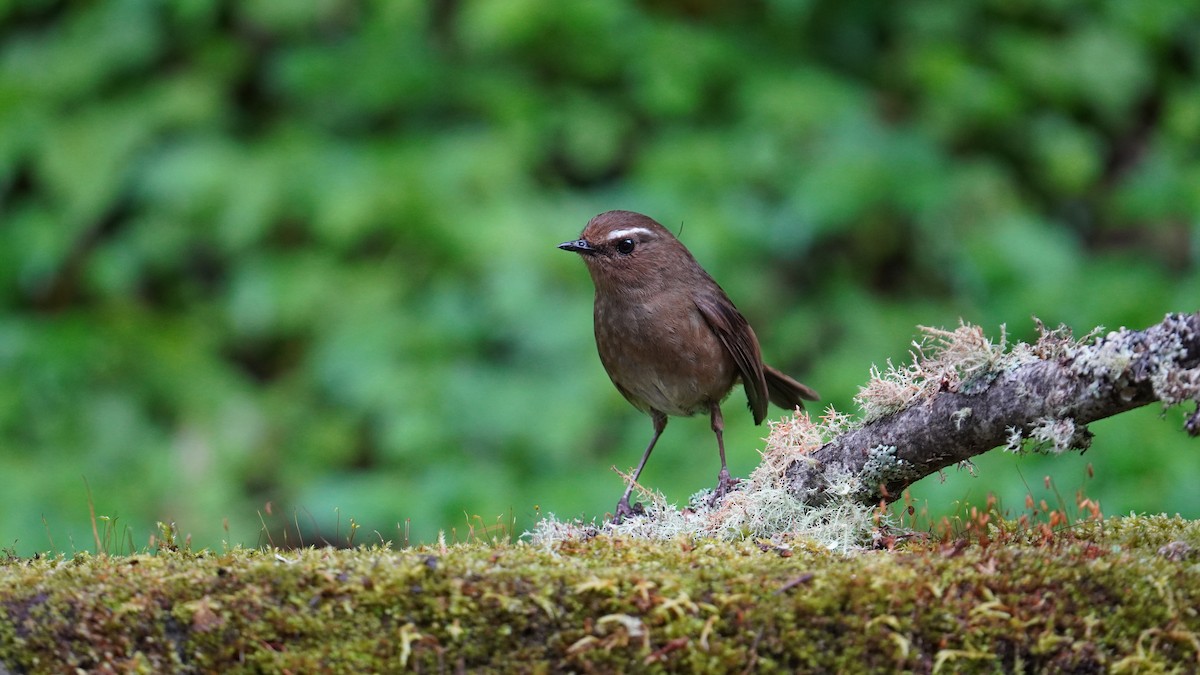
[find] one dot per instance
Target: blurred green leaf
(289, 262)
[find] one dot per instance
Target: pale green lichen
(761, 507)
(770, 513)
(884, 467)
(1161, 361)
(1104, 360)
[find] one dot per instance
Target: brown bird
(671, 340)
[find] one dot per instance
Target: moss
(1099, 596)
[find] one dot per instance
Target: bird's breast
(660, 352)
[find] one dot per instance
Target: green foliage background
(295, 260)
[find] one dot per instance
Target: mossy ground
(1113, 595)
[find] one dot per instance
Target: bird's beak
(580, 246)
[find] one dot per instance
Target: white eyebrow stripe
(621, 234)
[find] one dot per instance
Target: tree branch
(972, 396)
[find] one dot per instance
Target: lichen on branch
(964, 395)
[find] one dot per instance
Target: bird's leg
(624, 510)
(725, 482)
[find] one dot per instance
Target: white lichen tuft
(761, 507)
(1015, 440)
(550, 529)
(1056, 435)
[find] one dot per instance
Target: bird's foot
(725, 485)
(624, 510)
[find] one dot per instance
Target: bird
(670, 339)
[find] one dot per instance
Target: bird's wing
(735, 333)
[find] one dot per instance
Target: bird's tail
(786, 392)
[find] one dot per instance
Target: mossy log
(1106, 596)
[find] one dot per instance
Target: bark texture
(1047, 394)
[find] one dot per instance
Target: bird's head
(623, 249)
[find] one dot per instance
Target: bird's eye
(625, 246)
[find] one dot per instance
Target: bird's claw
(624, 510)
(725, 485)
